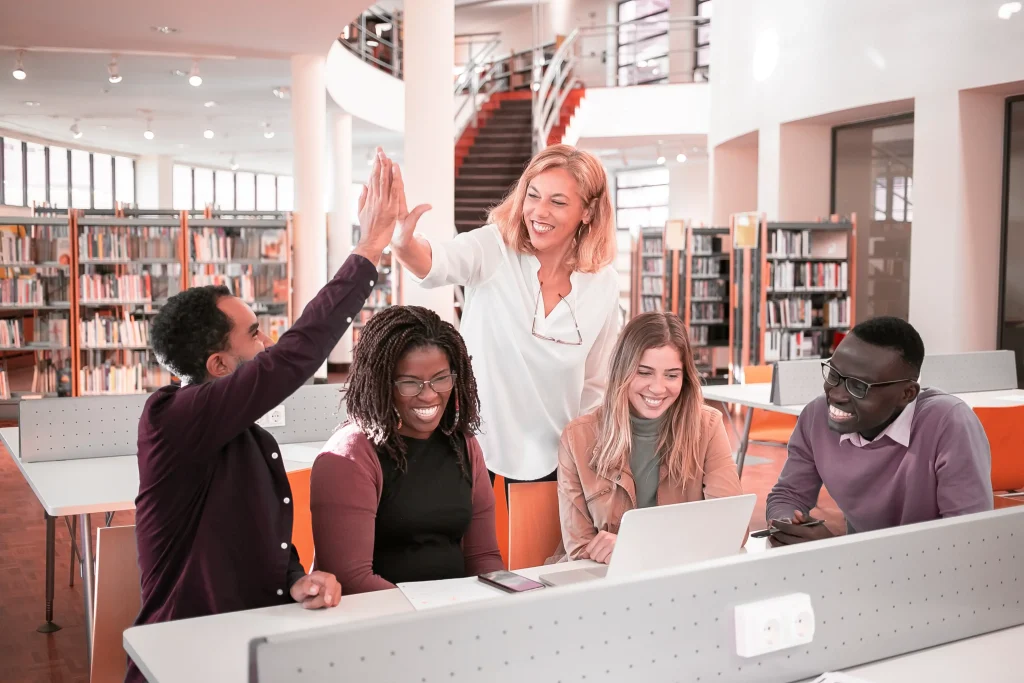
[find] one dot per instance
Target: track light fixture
(268, 133)
(76, 131)
(234, 164)
(194, 79)
(19, 67)
(149, 130)
(115, 76)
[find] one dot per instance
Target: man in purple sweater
(889, 452)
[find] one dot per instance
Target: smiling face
(657, 383)
(422, 414)
(553, 210)
(881, 405)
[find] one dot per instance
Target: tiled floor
(30, 657)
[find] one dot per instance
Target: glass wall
(59, 190)
(873, 176)
(196, 188)
(643, 43)
(641, 198)
(1011, 332)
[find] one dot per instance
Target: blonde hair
(680, 435)
(594, 246)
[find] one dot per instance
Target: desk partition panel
(874, 595)
(101, 426)
(961, 373)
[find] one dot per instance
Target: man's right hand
(379, 205)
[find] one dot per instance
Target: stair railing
(478, 78)
(553, 88)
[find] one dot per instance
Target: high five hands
(382, 206)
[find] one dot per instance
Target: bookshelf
(706, 306)
(386, 291)
(649, 258)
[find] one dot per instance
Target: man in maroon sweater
(214, 514)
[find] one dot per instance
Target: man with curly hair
(214, 514)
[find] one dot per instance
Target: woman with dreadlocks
(401, 492)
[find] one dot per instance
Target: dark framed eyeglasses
(857, 388)
(533, 329)
(412, 387)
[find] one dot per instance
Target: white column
(955, 238)
(429, 168)
(153, 182)
(688, 195)
(339, 227)
(309, 127)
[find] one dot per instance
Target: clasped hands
(316, 590)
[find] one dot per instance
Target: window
(643, 42)
(124, 180)
(59, 178)
(224, 190)
(701, 70)
(285, 193)
(81, 180)
(1011, 284)
(202, 184)
(181, 187)
(641, 198)
(266, 192)
(103, 181)
(14, 179)
(35, 174)
(245, 191)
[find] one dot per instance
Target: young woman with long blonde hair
(652, 442)
(542, 305)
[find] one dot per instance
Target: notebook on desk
(703, 530)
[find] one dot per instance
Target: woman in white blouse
(542, 305)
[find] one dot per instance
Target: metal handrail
(550, 94)
(477, 85)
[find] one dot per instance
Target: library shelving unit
(35, 307)
(386, 290)
(252, 257)
(795, 292)
(701, 297)
(649, 291)
(126, 269)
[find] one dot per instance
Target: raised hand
(406, 219)
(379, 206)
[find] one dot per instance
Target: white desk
(758, 396)
(216, 649)
(84, 486)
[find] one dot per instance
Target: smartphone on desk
(510, 582)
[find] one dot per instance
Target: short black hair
(190, 328)
(893, 333)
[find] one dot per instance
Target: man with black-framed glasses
(889, 452)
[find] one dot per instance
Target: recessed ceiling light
(661, 161)
(30, 103)
(208, 133)
(1008, 9)
(209, 104)
(194, 79)
(681, 158)
(115, 75)
(148, 134)
(166, 30)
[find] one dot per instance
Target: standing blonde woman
(542, 305)
(652, 442)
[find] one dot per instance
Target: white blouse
(530, 388)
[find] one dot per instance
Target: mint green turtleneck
(644, 460)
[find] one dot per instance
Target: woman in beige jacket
(652, 442)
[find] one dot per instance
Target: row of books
(652, 267)
(795, 277)
(707, 313)
(652, 246)
(802, 313)
(5, 384)
(52, 373)
(12, 333)
(703, 244)
(36, 244)
(380, 297)
(709, 289)
(109, 332)
(53, 328)
(780, 345)
(135, 376)
(27, 290)
(653, 286)
(707, 266)
(789, 243)
(273, 325)
(223, 245)
(108, 287)
(699, 335)
(649, 304)
(250, 286)
(123, 243)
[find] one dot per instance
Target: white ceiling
(643, 151)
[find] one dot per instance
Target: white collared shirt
(898, 430)
(530, 388)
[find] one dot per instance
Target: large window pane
(874, 167)
(203, 184)
(285, 193)
(14, 177)
(124, 169)
(103, 181)
(181, 187)
(224, 189)
(245, 191)
(266, 193)
(1012, 332)
(58, 177)
(646, 176)
(35, 174)
(81, 190)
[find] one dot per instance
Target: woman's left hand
(600, 547)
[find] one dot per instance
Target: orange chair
(501, 517)
(1003, 426)
(767, 427)
(117, 601)
(302, 520)
(534, 531)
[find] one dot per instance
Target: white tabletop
(86, 485)
(216, 649)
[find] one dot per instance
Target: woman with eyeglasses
(542, 304)
(401, 492)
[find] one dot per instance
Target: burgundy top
(213, 520)
(355, 503)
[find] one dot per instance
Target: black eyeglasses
(857, 388)
(412, 387)
(533, 330)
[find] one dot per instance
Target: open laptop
(670, 536)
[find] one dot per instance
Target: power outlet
(275, 418)
(775, 624)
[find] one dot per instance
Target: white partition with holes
(961, 373)
(101, 426)
(874, 595)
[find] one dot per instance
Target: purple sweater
(945, 472)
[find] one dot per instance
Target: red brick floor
(30, 657)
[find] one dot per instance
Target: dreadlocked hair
(386, 337)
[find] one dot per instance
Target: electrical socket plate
(774, 624)
(275, 418)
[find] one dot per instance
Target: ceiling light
(19, 68)
(194, 79)
(1008, 9)
(267, 132)
(661, 161)
(166, 30)
(283, 92)
(381, 28)
(234, 164)
(115, 77)
(208, 133)
(372, 43)
(178, 72)
(681, 158)
(535, 86)
(149, 130)
(30, 103)
(75, 130)
(209, 104)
